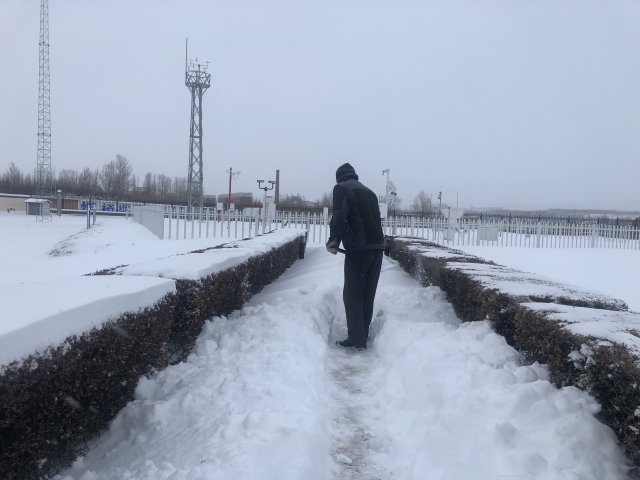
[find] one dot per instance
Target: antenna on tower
(43, 170)
(197, 81)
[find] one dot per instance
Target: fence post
(257, 224)
(168, 209)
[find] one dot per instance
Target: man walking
(356, 223)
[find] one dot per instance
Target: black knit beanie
(345, 172)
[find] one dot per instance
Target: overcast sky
(507, 103)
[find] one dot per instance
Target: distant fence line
(177, 223)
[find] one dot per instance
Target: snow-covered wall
(588, 340)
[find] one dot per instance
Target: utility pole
(43, 170)
(197, 80)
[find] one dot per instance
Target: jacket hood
(345, 172)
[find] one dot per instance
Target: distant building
(37, 206)
(241, 200)
(12, 202)
(209, 200)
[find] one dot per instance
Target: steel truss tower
(197, 81)
(43, 171)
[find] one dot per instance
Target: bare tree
(88, 182)
(292, 202)
(150, 186)
(164, 188)
(12, 181)
(116, 177)
(326, 200)
(67, 181)
(180, 191)
(394, 204)
(422, 204)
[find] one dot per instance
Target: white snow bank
(65, 248)
(38, 315)
(264, 398)
(618, 327)
(62, 303)
(194, 266)
(513, 282)
(434, 252)
(520, 284)
(249, 403)
(611, 271)
(459, 405)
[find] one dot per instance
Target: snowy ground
(64, 248)
(610, 271)
(266, 395)
(43, 293)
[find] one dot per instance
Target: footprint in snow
(308, 289)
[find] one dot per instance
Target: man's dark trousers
(361, 273)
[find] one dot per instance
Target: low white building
(12, 202)
(37, 206)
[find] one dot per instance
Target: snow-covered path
(266, 396)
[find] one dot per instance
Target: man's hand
(332, 246)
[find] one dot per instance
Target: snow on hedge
(39, 315)
(522, 284)
(194, 266)
(514, 282)
(617, 327)
(61, 302)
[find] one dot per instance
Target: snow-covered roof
(14, 195)
(36, 200)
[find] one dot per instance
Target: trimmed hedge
(52, 403)
(608, 371)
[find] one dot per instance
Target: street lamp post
(59, 209)
(231, 175)
(264, 203)
(386, 195)
(390, 190)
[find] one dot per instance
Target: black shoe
(349, 344)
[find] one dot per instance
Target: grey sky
(510, 103)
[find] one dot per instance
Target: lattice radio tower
(197, 81)
(43, 171)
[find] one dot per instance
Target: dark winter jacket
(356, 215)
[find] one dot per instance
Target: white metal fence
(526, 234)
(179, 224)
